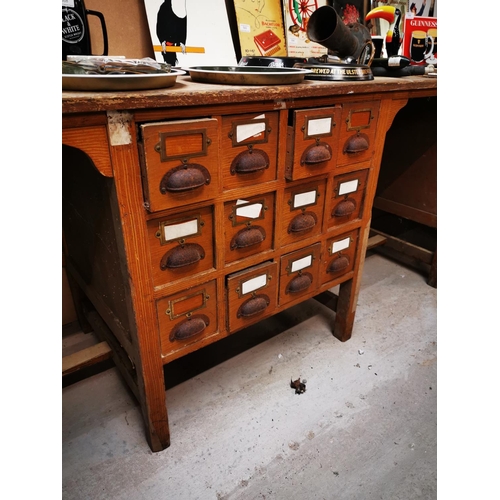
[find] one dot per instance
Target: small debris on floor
(360, 351)
(300, 387)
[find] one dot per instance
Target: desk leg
(432, 278)
(348, 294)
(146, 340)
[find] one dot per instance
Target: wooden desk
(194, 211)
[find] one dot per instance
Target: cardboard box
(260, 28)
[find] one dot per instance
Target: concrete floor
(364, 429)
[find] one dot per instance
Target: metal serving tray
(247, 75)
(121, 82)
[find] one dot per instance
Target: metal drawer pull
(253, 305)
(299, 283)
(317, 153)
(357, 144)
(345, 207)
(181, 256)
(247, 237)
(250, 161)
(302, 222)
(338, 264)
(185, 178)
(189, 327)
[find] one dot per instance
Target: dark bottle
(75, 29)
(392, 62)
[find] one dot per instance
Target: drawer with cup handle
(249, 149)
(338, 258)
(312, 142)
(358, 127)
(299, 273)
(346, 203)
(303, 212)
(187, 317)
(180, 162)
(251, 294)
(248, 226)
(181, 244)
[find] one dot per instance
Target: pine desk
(194, 211)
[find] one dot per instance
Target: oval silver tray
(121, 82)
(247, 75)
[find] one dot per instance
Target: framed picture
(190, 32)
(296, 14)
(260, 28)
(352, 11)
(421, 8)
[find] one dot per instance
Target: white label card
(348, 187)
(301, 199)
(319, 126)
(250, 211)
(248, 130)
(68, 3)
(341, 244)
(254, 284)
(181, 230)
(299, 264)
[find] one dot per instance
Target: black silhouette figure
(171, 30)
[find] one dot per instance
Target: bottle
(75, 29)
(393, 62)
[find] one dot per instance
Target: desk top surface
(185, 92)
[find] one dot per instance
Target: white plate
(121, 82)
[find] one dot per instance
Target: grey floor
(364, 429)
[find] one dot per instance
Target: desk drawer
(299, 273)
(248, 226)
(181, 244)
(180, 163)
(349, 192)
(251, 294)
(312, 142)
(338, 258)
(303, 212)
(357, 132)
(187, 317)
(249, 149)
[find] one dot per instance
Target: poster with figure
(190, 32)
(421, 8)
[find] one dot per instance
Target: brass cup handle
(247, 237)
(185, 177)
(253, 306)
(316, 154)
(181, 256)
(190, 327)
(249, 162)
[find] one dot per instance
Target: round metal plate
(247, 75)
(121, 82)
(271, 62)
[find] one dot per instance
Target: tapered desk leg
(348, 293)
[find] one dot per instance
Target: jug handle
(103, 26)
